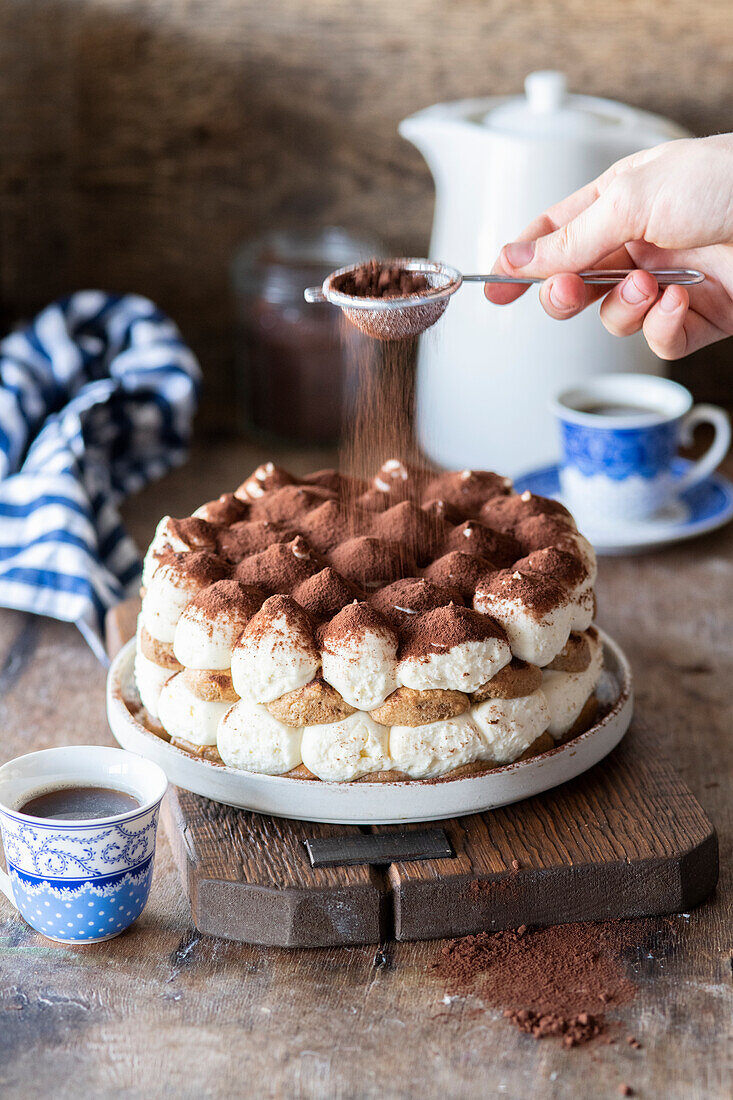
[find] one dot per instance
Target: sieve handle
(314, 294)
(667, 277)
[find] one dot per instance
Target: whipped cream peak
(475, 537)
(467, 490)
(412, 526)
(451, 648)
(372, 562)
(325, 593)
(264, 479)
(342, 751)
(247, 537)
(504, 514)
(276, 652)
(289, 503)
(509, 726)
(535, 611)
(177, 536)
(561, 566)
(251, 739)
(355, 621)
(226, 509)
(360, 656)
(459, 570)
(391, 474)
(442, 510)
(403, 599)
(281, 567)
(426, 752)
(211, 623)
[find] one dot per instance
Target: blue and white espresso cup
(620, 434)
(87, 880)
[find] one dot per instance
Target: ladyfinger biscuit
(211, 685)
(160, 653)
(574, 657)
(316, 704)
(410, 707)
(516, 679)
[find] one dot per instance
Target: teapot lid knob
(545, 90)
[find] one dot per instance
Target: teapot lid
(547, 110)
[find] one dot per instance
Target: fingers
(624, 308)
(672, 329)
(613, 219)
(563, 296)
(664, 324)
(502, 295)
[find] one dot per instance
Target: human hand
(670, 206)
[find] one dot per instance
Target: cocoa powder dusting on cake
(289, 502)
(560, 566)
(538, 532)
(503, 513)
(198, 534)
(446, 627)
(332, 523)
(226, 509)
(463, 571)
(199, 567)
(352, 624)
(325, 593)
(401, 601)
(371, 562)
(468, 490)
(551, 982)
(537, 593)
(251, 537)
(411, 526)
(228, 600)
(299, 625)
(473, 537)
(281, 567)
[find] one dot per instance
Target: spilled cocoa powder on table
(556, 981)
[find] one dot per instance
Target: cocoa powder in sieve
(377, 280)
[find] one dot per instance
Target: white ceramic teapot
(486, 373)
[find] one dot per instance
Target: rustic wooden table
(162, 1011)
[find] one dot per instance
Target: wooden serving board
(626, 839)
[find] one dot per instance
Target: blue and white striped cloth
(97, 397)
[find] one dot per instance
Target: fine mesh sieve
(393, 318)
(400, 317)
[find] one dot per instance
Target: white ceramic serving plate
(375, 803)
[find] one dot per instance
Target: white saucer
(703, 508)
(376, 803)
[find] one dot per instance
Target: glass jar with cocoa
(294, 359)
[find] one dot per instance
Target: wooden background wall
(140, 140)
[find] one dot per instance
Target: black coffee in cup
(607, 408)
(79, 803)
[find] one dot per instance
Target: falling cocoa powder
(556, 981)
(379, 420)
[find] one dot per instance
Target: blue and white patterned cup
(79, 881)
(617, 465)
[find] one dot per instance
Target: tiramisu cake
(414, 628)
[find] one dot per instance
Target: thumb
(606, 225)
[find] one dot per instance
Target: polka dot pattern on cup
(83, 912)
